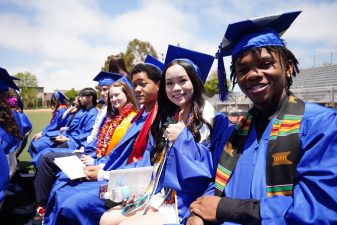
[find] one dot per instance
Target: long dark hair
(7, 120)
(285, 55)
(167, 109)
(89, 92)
(54, 102)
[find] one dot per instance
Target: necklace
(108, 129)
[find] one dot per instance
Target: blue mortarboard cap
(60, 96)
(201, 62)
(248, 34)
(153, 61)
(107, 78)
(126, 80)
(6, 80)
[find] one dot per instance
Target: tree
(71, 94)
(107, 62)
(137, 51)
(211, 85)
(28, 88)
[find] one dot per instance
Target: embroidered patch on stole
(280, 158)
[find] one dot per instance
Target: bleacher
(322, 76)
(317, 84)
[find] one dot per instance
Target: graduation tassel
(223, 89)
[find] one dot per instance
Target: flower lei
(108, 129)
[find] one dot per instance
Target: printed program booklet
(71, 166)
(125, 182)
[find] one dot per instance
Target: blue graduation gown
(78, 202)
(89, 148)
(57, 122)
(7, 143)
(26, 124)
(18, 121)
(4, 174)
(44, 141)
(314, 199)
(189, 169)
(77, 134)
(74, 124)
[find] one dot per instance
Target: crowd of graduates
(276, 166)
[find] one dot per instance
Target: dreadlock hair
(285, 55)
(167, 109)
(7, 120)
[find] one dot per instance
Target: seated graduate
(10, 135)
(58, 102)
(67, 203)
(4, 174)
(279, 165)
(70, 113)
(76, 135)
(105, 79)
(122, 107)
(180, 148)
(86, 148)
(15, 102)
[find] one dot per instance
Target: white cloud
(60, 33)
(70, 40)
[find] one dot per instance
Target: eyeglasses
(135, 205)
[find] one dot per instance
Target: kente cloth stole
(106, 132)
(283, 151)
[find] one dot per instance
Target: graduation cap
(107, 78)
(248, 34)
(6, 80)
(201, 62)
(154, 62)
(60, 96)
(126, 80)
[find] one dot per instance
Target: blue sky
(65, 42)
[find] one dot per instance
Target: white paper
(71, 166)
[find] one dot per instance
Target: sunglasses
(132, 207)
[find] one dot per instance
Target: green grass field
(39, 119)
